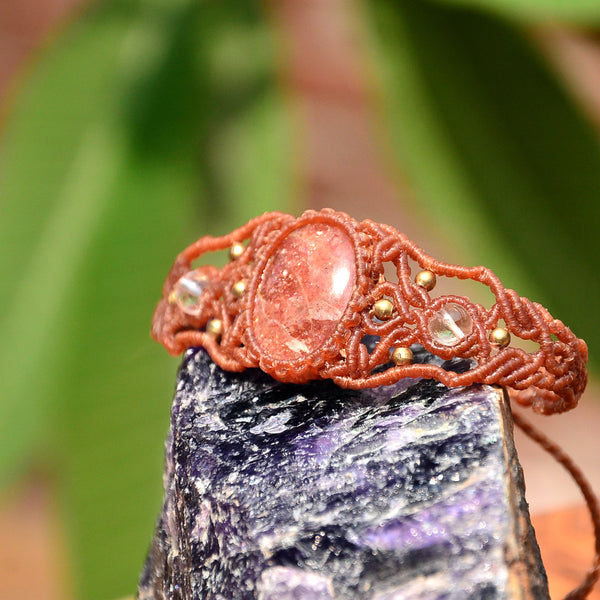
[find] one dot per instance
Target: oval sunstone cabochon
(304, 290)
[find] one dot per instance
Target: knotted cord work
(298, 299)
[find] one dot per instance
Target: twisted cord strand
(593, 573)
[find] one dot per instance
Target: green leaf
(584, 12)
(148, 124)
(495, 150)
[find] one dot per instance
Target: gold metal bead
(383, 309)
(215, 328)
(500, 336)
(236, 250)
(426, 280)
(239, 288)
(402, 356)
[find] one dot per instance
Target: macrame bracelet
(299, 295)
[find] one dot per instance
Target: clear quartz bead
(188, 292)
(450, 324)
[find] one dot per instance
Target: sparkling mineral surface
(310, 492)
(304, 290)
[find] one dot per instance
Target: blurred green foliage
(151, 122)
(586, 12)
(496, 151)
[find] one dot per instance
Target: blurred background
(132, 127)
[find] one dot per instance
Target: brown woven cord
(550, 380)
(593, 573)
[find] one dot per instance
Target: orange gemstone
(304, 291)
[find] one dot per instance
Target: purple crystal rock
(311, 492)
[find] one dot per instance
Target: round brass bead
(239, 288)
(500, 336)
(402, 356)
(236, 250)
(215, 328)
(426, 280)
(383, 309)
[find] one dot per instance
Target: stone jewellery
(299, 295)
(323, 296)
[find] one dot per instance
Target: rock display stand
(311, 492)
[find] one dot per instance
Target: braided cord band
(299, 298)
